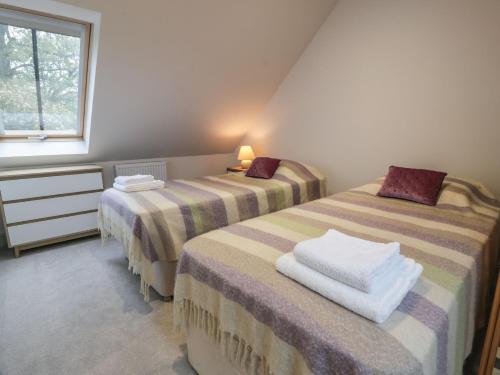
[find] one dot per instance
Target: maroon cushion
(418, 185)
(263, 167)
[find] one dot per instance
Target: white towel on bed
(151, 185)
(131, 180)
(374, 306)
(351, 260)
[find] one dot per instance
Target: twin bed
(243, 317)
(153, 225)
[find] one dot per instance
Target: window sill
(13, 149)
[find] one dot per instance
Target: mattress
(153, 225)
(263, 322)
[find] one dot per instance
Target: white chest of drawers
(48, 205)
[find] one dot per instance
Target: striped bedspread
(265, 323)
(153, 225)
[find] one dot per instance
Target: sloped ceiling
(187, 77)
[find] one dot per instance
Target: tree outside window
(41, 75)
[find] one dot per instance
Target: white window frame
(27, 18)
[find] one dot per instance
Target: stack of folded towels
(369, 278)
(138, 182)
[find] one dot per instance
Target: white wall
(187, 77)
(413, 83)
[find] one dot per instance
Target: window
(43, 69)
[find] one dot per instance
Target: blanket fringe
(144, 289)
(136, 262)
(234, 348)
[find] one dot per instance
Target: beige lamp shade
(246, 156)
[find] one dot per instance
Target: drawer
(45, 186)
(41, 208)
(43, 230)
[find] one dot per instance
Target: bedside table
(235, 170)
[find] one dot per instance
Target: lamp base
(245, 164)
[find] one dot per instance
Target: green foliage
(59, 64)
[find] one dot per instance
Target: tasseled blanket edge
(136, 261)
(234, 348)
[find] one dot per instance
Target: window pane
(59, 60)
(24, 105)
(17, 80)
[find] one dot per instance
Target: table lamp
(246, 156)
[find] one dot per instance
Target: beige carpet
(76, 309)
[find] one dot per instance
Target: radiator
(158, 169)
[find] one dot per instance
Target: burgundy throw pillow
(263, 167)
(417, 185)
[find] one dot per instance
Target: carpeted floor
(76, 309)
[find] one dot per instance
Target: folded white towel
(151, 185)
(390, 274)
(375, 306)
(353, 261)
(131, 180)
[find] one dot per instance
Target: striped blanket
(153, 225)
(227, 286)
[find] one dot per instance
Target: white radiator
(158, 169)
